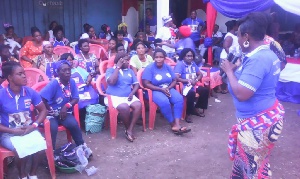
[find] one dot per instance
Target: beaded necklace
(66, 91)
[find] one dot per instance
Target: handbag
(94, 118)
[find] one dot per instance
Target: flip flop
(128, 136)
(181, 131)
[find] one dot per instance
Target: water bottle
(296, 54)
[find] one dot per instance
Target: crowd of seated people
(72, 76)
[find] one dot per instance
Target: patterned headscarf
(58, 64)
(122, 25)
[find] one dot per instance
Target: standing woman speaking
(259, 114)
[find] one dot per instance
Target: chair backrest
(4, 84)
(139, 77)
(39, 86)
(101, 83)
(59, 50)
(98, 50)
(103, 66)
(34, 76)
(170, 62)
(26, 39)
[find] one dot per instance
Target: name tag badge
(27, 103)
(158, 77)
(59, 100)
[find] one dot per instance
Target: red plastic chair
(26, 39)
(34, 76)
(4, 153)
(170, 62)
(152, 106)
(47, 131)
(59, 50)
(99, 51)
(103, 66)
(113, 112)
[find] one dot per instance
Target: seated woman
(32, 48)
(16, 126)
(93, 39)
(105, 32)
(160, 78)
(127, 36)
(5, 55)
(120, 49)
(59, 37)
(112, 50)
(45, 62)
(49, 35)
(119, 80)
(10, 38)
(120, 37)
(87, 94)
(85, 59)
(141, 60)
(189, 74)
(59, 96)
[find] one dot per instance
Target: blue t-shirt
(184, 43)
(15, 111)
(186, 71)
(193, 24)
(161, 77)
(122, 87)
(53, 93)
(259, 72)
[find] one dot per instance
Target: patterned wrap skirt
(251, 142)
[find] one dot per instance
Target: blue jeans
(71, 124)
(164, 104)
(5, 141)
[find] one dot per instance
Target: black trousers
(202, 100)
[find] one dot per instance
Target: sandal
(181, 131)
(188, 119)
(224, 91)
(129, 137)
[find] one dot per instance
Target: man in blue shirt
(193, 22)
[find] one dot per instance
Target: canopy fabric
(211, 15)
(240, 8)
(292, 6)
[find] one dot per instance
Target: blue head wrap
(59, 63)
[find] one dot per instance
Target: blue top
(122, 87)
(161, 77)
(151, 22)
(193, 24)
(53, 93)
(58, 43)
(184, 43)
(258, 72)
(186, 71)
(14, 110)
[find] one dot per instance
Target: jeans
(164, 104)
(69, 123)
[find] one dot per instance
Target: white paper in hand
(186, 90)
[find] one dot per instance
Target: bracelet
(68, 105)
(35, 124)
(118, 67)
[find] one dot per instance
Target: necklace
(66, 91)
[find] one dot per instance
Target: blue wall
(72, 14)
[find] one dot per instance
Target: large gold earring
(246, 44)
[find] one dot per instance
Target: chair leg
(113, 123)
(69, 136)
(144, 116)
(184, 109)
(2, 168)
(49, 150)
(152, 115)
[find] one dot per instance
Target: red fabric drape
(211, 15)
(126, 4)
